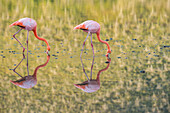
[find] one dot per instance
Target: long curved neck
(98, 37)
(98, 74)
(36, 69)
(35, 33)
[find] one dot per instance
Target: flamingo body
(25, 23)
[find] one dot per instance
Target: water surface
(137, 79)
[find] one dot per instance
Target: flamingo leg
(18, 40)
(93, 57)
(18, 65)
(84, 43)
(84, 69)
(81, 55)
(27, 52)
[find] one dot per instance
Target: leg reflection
(92, 85)
(30, 80)
(14, 70)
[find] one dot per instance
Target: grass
(136, 81)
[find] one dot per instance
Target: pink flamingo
(30, 80)
(90, 27)
(92, 85)
(29, 25)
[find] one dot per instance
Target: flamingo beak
(108, 53)
(47, 52)
(13, 24)
(48, 49)
(12, 81)
(81, 26)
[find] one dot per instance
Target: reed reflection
(30, 80)
(92, 85)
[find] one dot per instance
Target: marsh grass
(136, 81)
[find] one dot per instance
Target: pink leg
(84, 43)
(93, 57)
(18, 40)
(84, 69)
(18, 65)
(27, 52)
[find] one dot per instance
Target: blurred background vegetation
(137, 80)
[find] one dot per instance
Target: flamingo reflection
(30, 80)
(92, 85)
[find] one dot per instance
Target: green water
(137, 79)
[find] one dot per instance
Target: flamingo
(92, 85)
(29, 25)
(30, 80)
(91, 27)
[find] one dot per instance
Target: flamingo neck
(38, 67)
(98, 74)
(98, 37)
(35, 33)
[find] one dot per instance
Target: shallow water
(136, 80)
